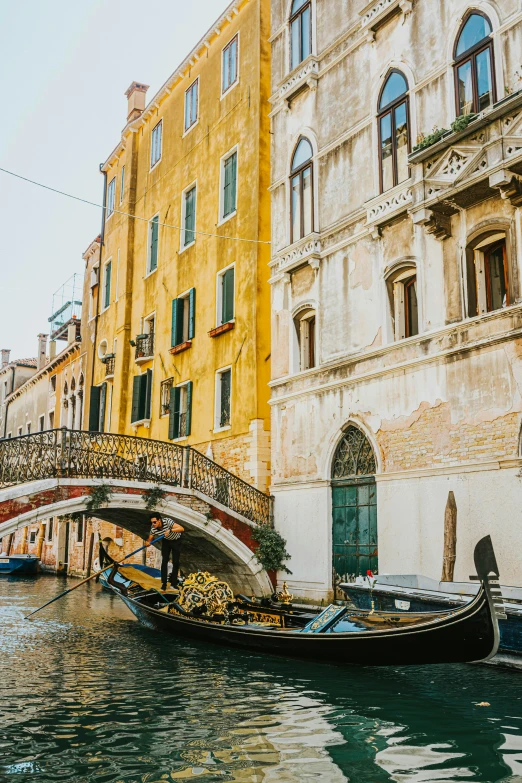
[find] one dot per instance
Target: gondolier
(170, 546)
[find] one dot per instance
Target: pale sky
(65, 67)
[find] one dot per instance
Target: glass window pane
(295, 43)
(307, 201)
(401, 140)
(226, 69)
(393, 89)
(475, 30)
(496, 279)
(190, 216)
(296, 208)
(233, 61)
(485, 91)
(386, 152)
(297, 4)
(465, 88)
(412, 312)
(302, 154)
(306, 38)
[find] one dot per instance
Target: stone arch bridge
(53, 474)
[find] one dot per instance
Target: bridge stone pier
(46, 475)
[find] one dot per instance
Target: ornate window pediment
(376, 12)
(457, 163)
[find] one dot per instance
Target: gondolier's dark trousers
(168, 549)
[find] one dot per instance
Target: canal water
(88, 695)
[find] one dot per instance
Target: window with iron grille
(223, 398)
(180, 411)
(32, 537)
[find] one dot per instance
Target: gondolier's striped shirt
(166, 530)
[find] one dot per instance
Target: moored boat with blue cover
(19, 565)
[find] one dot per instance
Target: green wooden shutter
(94, 409)
(174, 413)
(154, 231)
(192, 314)
(147, 394)
(233, 183)
(107, 292)
(228, 296)
(103, 403)
(135, 413)
(174, 322)
(189, 407)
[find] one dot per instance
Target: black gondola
(338, 634)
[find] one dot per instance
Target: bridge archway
(216, 539)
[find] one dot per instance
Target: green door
(354, 529)
(354, 507)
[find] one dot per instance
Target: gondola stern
(489, 575)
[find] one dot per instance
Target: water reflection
(86, 694)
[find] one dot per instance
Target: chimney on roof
(41, 358)
(52, 350)
(5, 353)
(136, 96)
(71, 333)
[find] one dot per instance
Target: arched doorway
(354, 507)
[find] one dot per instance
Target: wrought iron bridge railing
(76, 454)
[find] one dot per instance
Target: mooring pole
(450, 539)
(89, 559)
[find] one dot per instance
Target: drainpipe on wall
(96, 317)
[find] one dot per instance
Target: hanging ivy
(154, 496)
(271, 551)
(98, 497)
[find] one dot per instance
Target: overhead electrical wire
(127, 214)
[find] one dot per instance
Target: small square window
(156, 142)
(32, 537)
(191, 105)
(111, 196)
(230, 64)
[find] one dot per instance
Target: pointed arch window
(301, 187)
(354, 455)
(474, 65)
(300, 32)
(394, 131)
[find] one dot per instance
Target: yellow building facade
(178, 331)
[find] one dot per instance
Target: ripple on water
(89, 696)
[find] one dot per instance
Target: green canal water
(87, 694)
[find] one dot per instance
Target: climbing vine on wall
(98, 497)
(154, 496)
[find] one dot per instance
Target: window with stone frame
(402, 292)
(230, 63)
(305, 329)
(180, 423)
(32, 537)
(487, 274)
(394, 131)
(474, 65)
(302, 191)
(166, 386)
(223, 399)
(300, 32)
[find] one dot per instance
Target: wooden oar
(84, 581)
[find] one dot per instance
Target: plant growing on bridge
(271, 552)
(98, 497)
(154, 496)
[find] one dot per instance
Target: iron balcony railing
(144, 346)
(110, 363)
(77, 454)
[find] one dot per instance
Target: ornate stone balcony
(387, 206)
(305, 75)
(378, 11)
(467, 167)
(305, 251)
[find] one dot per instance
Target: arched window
(474, 65)
(305, 327)
(487, 274)
(300, 31)
(402, 291)
(302, 220)
(394, 132)
(354, 456)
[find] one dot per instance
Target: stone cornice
(67, 353)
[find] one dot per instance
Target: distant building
(12, 375)
(396, 284)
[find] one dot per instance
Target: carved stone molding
(509, 185)
(382, 208)
(306, 251)
(305, 76)
(434, 223)
(377, 11)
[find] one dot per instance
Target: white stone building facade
(396, 284)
